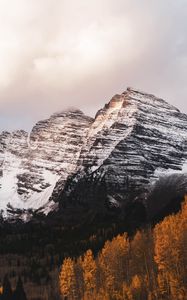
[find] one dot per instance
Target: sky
(56, 54)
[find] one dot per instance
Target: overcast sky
(60, 53)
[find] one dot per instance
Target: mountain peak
(132, 138)
(115, 102)
(138, 91)
(68, 111)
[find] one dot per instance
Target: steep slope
(135, 139)
(102, 164)
(30, 165)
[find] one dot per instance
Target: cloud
(60, 53)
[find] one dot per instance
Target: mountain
(100, 164)
(31, 164)
(135, 142)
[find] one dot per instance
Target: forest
(150, 265)
(45, 261)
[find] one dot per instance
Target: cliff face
(31, 164)
(103, 163)
(134, 139)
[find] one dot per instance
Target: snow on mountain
(31, 164)
(132, 140)
(71, 158)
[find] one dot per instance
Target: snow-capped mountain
(71, 158)
(134, 140)
(31, 164)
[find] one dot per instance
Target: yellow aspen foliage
(183, 216)
(127, 294)
(150, 296)
(168, 244)
(170, 252)
(177, 289)
(67, 279)
(113, 261)
(142, 249)
(89, 273)
(102, 295)
(152, 266)
(162, 285)
(106, 268)
(136, 283)
(138, 256)
(136, 287)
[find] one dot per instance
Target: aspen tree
(136, 287)
(67, 279)
(170, 253)
(89, 273)
(113, 261)
(127, 294)
(162, 285)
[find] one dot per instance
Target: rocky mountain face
(31, 164)
(102, 163)
(134, 140)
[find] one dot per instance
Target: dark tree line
(9, 294)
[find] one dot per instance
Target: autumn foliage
(152, 266)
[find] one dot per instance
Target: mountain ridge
(34, 162)
(132, 141)
(145, 140)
